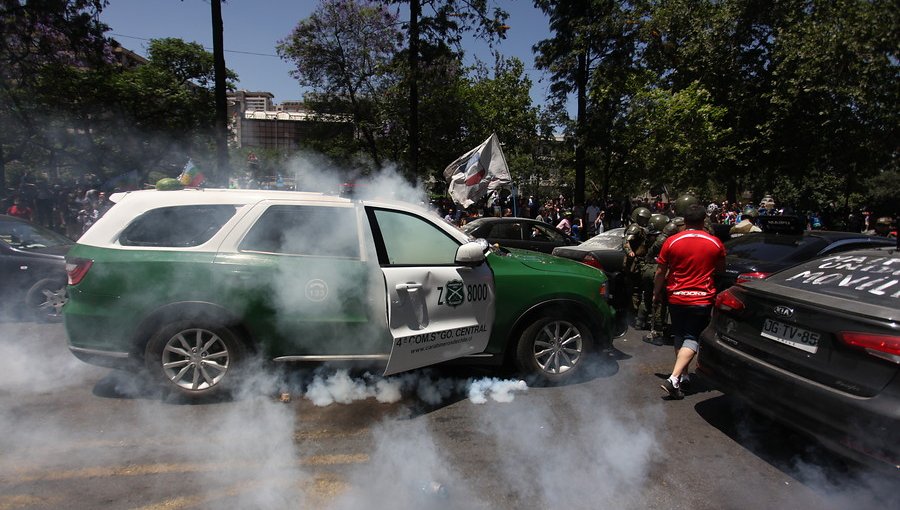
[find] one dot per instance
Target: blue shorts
(687, 324)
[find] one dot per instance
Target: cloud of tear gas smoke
(337, 386)
(589, 447)
(408, 471)
(34, 357)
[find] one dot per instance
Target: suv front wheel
(553, 348)
(196, 359)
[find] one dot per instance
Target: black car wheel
(198, 360)
(46, 298)
(553, 348)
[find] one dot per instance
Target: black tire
(553, 348)
(196, 359)
(45, 299)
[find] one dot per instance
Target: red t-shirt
(691, 256)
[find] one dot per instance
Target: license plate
(799, 338)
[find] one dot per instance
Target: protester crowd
(69, 208)
(582, 222)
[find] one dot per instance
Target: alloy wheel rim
(558, 347)
(195, 359)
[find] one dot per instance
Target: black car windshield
(25, 236)
(871, 276)
(774, 247)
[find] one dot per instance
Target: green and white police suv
(189, 284)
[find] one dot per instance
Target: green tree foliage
(342, 51)
(809, 89)
(835, 96)
(37, 39)
(71, 105)
(164, 110)
(591, 54)
(434, 31)
(677, 134)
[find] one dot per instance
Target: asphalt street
(77, 436)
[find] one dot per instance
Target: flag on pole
(477, 172)
(191, 175)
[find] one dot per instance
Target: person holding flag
(476, 173)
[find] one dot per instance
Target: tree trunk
(221, 128)
(580, 129)
(415, 10)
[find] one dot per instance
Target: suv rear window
(177, 227)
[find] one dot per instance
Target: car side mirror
(470, 254)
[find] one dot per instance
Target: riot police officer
(647, 270)
(683, 202)
(658, 310)
(634, 248)
(747, 224)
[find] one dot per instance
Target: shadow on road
(798, 455)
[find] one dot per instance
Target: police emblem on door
(316, 290)
(456, 293)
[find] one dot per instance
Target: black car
(817, 346)
(32, 269)
(605, 252)
(524, 233)
(758, 255)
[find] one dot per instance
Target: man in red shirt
(19, 210)
(685, 268)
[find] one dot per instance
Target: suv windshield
(774, 247)
(25, 236)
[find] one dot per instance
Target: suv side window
(177, 227)
(305, 230)
(410, 240)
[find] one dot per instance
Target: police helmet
(658, 222)
(641, 216)
(750, 211)
(670, 228)
(683, 202)
(633, 232)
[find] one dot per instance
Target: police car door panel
(437, 313)
(437, 310)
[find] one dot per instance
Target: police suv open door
(440, 306)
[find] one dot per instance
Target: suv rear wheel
(553, 347)
(197, 359)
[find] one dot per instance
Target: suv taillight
(883, 346)
(77, 268)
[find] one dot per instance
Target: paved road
(76, 436)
